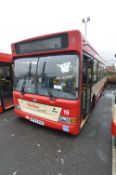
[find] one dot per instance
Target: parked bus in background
(6, 82)
(57, 79)
(113, 130)
(114, 118)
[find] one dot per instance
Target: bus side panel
(113, 129)
(98, 88)
(1, 110)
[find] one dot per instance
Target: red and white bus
(57, 78)
(6, 82)
(113, 130)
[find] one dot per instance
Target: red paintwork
(1, 109)
(113, 129)
(77, 45)
(6, 58)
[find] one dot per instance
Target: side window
(95, 70)
(98, 71)
(102, 71)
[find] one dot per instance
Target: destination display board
(42, 44)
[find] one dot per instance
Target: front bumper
(73, 129)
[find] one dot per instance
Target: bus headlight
(68, 120)
(63, 119)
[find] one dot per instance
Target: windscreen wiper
(23, 85)
(50, 93)
(27, 74)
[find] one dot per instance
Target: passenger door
(86, 85)
(6, 86)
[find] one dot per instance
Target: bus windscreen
(42, 44)
(45, 75)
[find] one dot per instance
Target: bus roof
(87, 47)
(76, 39)
(5, 58)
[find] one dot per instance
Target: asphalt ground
(29, 149)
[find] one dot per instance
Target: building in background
(111, 69)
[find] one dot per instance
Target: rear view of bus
(57, 79)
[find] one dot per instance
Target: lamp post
(85, 21)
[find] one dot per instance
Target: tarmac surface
(29, 149)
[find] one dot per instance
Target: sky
(22, 19)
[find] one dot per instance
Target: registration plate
(37, 121)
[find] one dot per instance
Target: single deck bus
(57, 80)
(113, 128)
(113, 131)
(6, 82)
